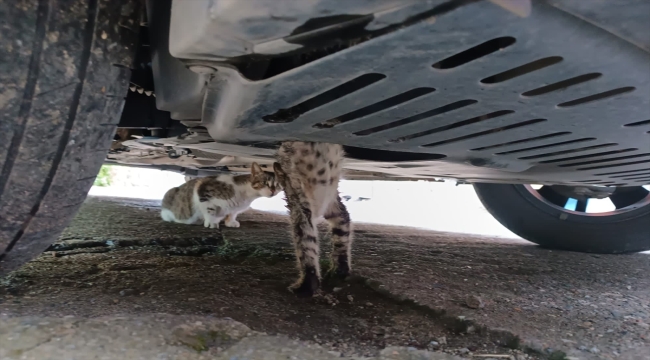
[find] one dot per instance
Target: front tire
(532, 218)
(64, 75)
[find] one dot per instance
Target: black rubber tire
(551, 227)
(65, 71)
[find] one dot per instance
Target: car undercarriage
(543, 106)
(552, 92)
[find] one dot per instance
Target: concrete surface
(161, 336)
(120, 284)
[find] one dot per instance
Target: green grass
(104, 177)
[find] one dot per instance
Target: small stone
(442, 340)
(127, 292)
(369, 304)
(115, 301)
(616, 314)
(350, 298)
(378, 330)
(474, 302)
(434, 344)
(337, 289)
(463, 351)
(594, 350)
(583, 348)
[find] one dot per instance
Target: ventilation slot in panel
(638, 179)
(487, 132)
(541, 137)
(604, 160)
(376, 107)
(587, 181)
(409, 166)
(411, 119)
(522, 70)
(388, 155)
(623, 172)
(474, 53)
(604, 153)
(628, 175)
(561, 85)
(292, 113)
(586, 148)
(473, 120)
(596, 97)
(544, 147)
(638, 123)
(615, 165)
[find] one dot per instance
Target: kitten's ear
(256, 170)
(277, 169)
(279, 173)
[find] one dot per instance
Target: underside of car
(479, 91)
(541, 105)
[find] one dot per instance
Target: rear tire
(64, 82)
(552, 227)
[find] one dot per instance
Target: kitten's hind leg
(305, 236)
(339, 220)
(305, 241)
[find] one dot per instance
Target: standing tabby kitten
(216, 198)
(309, 173)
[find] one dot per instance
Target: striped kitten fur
(216, 198)
(309, 174)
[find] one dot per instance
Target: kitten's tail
(167, 202)
(167, 215)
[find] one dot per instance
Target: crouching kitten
(216, 198)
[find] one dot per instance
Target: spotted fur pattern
(216, 198)
(309, 174)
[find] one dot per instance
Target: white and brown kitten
(309, 174)
(216, 198)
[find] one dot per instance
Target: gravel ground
(412, 290)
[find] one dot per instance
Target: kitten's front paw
(210, 225)
(232, 224)
(307, 285)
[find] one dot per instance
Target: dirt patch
(411, 288)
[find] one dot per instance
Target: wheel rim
(620, 201)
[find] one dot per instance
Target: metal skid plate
(546, 98)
